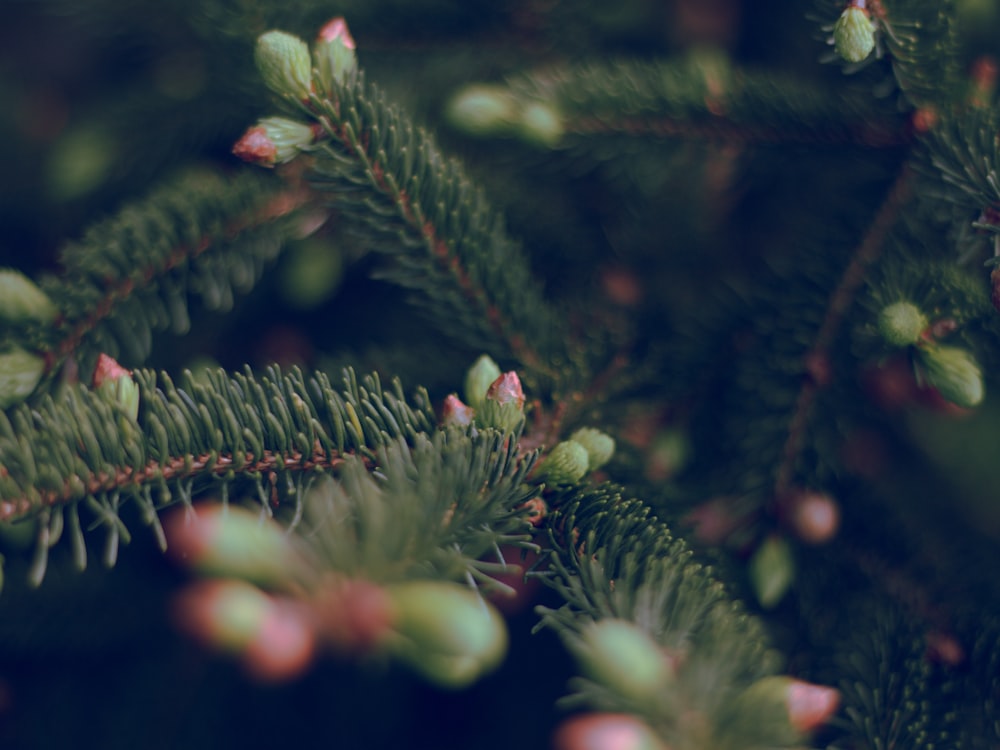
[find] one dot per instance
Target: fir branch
(611, 558)
(438, 508)
(259, 431)
(707, 99)
(817, 360)
(202, 235)
(448, 244)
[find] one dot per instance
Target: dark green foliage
(682, 245)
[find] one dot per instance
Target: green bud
(772, 570)
(284, 63)
(478, 380)
(600, 446)
(503, 408)
(854, 35)
(289, 137)
(20, 373)
(779, 710)
(115, 383)
(954, 372)
(483, 110)
(233, 542)
(334, 54)
(565, 464)
(445, 631)
(540, 125)
(22, 301)
(901, 323)
(624, 658)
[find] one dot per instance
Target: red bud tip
(810, 706)
(537, 510)
(255, 147)
(108, 369)
(605, 731)
(336, 28)
(943, 648)
(507, 389)
(284, 646)
(815, 517)
(454, 412)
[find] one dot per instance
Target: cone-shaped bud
(21, 300)
(540, 125)
(445, 631)
(232, 541)
(954, 372)
(455, 413)
(20, 371)
(503, 407)
(284, 63)
(256, 147)
(901, 323)
(274, 637)
(789, 707)
(622, 657)
(226, 615)
(603, 731)
(478, 380)
(115, 383)
(334, 54)
(565, 464)
(854, 35)
(483, 110)
(600, 446)
(815, 516)
(772, 570)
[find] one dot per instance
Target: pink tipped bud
(815, 517)
(336, 28)
(108, 369)
(454, 412)
(507, 390)
(810, 706)
(115, 383)
(602, 731)
(255, 147)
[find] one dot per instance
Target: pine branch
(448, 245)
(700, 98)
(261, 432)
(611, 558)
(203, 235)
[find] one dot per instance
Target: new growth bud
(566, 464)
(273, 140)
(954, 372)
(600, 446)
(625, 659)
(115, 383)
(478, 380)
(503, 407)
(334, 54)
(854, 34)
(22, 301)
(284, 63)
(232, 541)
(445, 631)
(772, 570)
(901, 323)
(20, 372)
(483, 110)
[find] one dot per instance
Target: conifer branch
(705, 99)
(448, 244)
(817, 360)
(204, 235)
(83, 447)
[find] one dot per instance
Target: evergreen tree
(550, 373)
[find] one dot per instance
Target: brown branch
(817, 360)
(180, 467)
